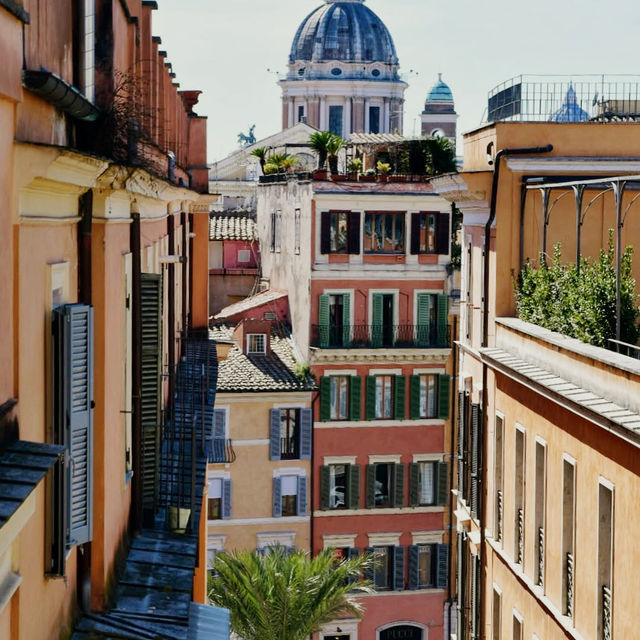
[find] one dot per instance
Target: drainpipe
(171, 314)
(312, 473)
(485, 343)
(452, 413)
(190, 269)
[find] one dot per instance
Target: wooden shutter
(441, 479)
(414, 397)
(398, 485)
(370, 500)
(325, 487)
(226, 499)
(398, 568)
(415, 233)
(219, 416)
(325, 398)
(442, 566)
(442, 330)
(301, 498)
(399, 384)
(346, 319)
(73, 335)
(354, 232)
(414, 484)
(274, 434)
(151, 315)
(306, 434)
(353, 471)
(474, 458)
(323, 320)
(376, 320)
(370, 398)
(414, 567)
(423, 319)
(325, 232)
(277, 498)
(355, 397)
(444, 384)
(369, 569)
(443, 233)
(461, 404)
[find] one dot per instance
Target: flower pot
(320, 174)
(366, 178)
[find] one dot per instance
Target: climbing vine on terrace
(580, 305)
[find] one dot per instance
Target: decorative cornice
(379, 356)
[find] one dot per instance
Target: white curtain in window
(289, 485)
(426, 483)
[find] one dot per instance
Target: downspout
(485, 343)
(190, 269)
(452, 413)
(171, 314)
(312, 473)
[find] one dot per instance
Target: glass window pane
(425, 578)
(426, 483)
(382, 488)
(338, 483)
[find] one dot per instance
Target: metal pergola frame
(618, 185)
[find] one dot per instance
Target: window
(605, 552)
(338, 486)
(256, 343)
(382, 567)
(430, 233)
(340, 232)
(384, 397)
(334, 320)
(387, 570)
(497, 615)
(428, 407)
(301, 113)
(517, 627)
(384, 331)
(289, 496)
(430, 396)
(297, 231)
(497, 478)
(384, 233)
(273, 228)
(518, 551)
(290, 433)
(540, 499)
(218, 498)
(426, 559)
(427, 493)
(335, 120)
(374, 119)
(340, 398)
(385, 485)
(428, 483)
(278, 237)
(568, 536)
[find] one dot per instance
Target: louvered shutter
(474, 459)
(325, 232)
(346, 320)
(216, 452)
(376, 320)
(444, 384)
(301, 498)
(461, 403)
(353, 471)
(274, 434)
(442, 566)
(423, 317)
(444, 233)
(352, 552)
(325, 398)
(226, 499)
(277, 498)
(414, 397)
(354, 232)
(323, 320)
(442, 322)
(414, 484)
(398, 485)
(75, 398)
(398, 568)
(355, 397)
(370, 501)
(325, 487)
(414, 566)
(369, 570)
(399, 386)
(219, 419)
(370, 398)
(306, 434)
(415, 233)
(151, 314)
(441, 473)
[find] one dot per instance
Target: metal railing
(366, 336)
(289, 449)
(520, 536)
(540, 580)
(499, 515)
(569, 578)
(220, 450)
(606, 612)
(624, 348)
(556, 98)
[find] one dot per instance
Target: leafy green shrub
(580, 305)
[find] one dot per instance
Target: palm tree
(283, 594)
(261, 154)
(318, 141)
(333, 148)
(441, 156)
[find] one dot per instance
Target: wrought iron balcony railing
(569, 585)
(606, 612)
(367, 336)
(540, 580)
(289, 449)
(499, 515)
(220, 450)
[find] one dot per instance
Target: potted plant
(333, 148)
(318, 141)
(354, 168)
(384, 168)
(368, 176)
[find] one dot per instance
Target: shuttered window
(428, 566)
(430, 233)
(428, 483)
(219, 499)
(429, 396)
(290, 496)
(385, 485)
(290, 434)
(432, 320)
(339, 486)
(385, 397)
(340, 232)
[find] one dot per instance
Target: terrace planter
(339, 177)
(365, 178)
(320, 174)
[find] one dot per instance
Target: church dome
(570, 111)
(440, 98)
(346, 31)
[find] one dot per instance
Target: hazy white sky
(224, 48)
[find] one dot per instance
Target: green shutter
(398, 485)
(443, 396)
(325, 488)
(423, 330)
(414, 397)
(353, 471)
(414, 484)
(399, 384)
(370, 398)
(346, 319)
(440, 477)
(151, 312)
(355, 397)
(370, 501)
(325, 398)
(443, 320)
(323, 320)
(376, 320)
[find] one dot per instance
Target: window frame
(217, 502)
(256, 336)
(381, 398)
(388, 554)
(390, 485)
(332, 486)
(433, 236)
(293, 432)
(425, 414)
(433, 464)
(432, 562)
(343, 396)
(369, 223)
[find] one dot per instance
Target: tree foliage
(427, 156)
(583, 305)
(283, 594)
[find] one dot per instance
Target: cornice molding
(379, 356)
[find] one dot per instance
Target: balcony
(365, 336)
(289, 449)
(220, 450)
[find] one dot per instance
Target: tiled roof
(264, 297)
(375, 138)
(273, 372)
(232, 227)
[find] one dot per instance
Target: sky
(225, 48)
